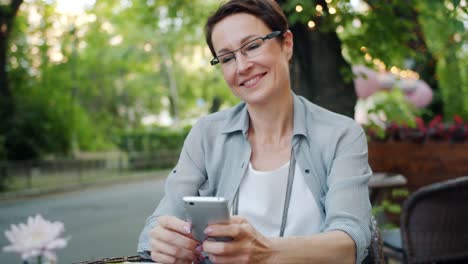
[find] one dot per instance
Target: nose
(243, 63)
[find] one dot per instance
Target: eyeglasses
(250, 49)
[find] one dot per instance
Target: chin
(256, 98)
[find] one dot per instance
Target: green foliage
(40, 125)
(156, 139)
(110, 76)
(445, 35)
(417, 34)
(2, 148)
(46, 119)
(130, 59)
(395, 107)
(302, 17)
(384, 31)
(390, 107)
(390, 204)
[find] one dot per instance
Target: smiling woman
(269, 79)
(274, 148)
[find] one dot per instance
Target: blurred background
(94, 93)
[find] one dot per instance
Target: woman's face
(259, 79)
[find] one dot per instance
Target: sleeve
(347, 202)
(184, 180)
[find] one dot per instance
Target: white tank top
(261, 201)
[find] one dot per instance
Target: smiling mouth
(252, 82)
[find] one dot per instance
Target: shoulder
(322, 121)
(215, 124)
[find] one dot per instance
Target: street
(100, 221)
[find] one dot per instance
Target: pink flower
(39, 237)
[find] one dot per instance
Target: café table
(381, 181)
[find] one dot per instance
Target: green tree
(397, 33)
(445, 35)
(89, 77)
(403, 34)
(8, 11)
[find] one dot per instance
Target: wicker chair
(434, 223)
(375, 253)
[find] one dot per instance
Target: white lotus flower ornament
(38, 238)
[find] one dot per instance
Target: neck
(272, 122)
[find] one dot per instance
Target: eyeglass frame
(271, 35)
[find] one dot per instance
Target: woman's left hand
(247, 245)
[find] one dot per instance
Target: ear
(288, 43)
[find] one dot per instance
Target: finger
(223, 248)
(162, 258)
(175, 224)
(173, 238)
(224, 230)
(171, 250)
(227, 259)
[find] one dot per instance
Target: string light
(332, 10)
(319, 8)
(368, 57)
(311, 24)
(328, 1)
(380, 65)
(299, 8)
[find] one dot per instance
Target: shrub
(154, 140)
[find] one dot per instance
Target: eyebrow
(243, 40)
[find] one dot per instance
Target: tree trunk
(4, 88)
(7, 16)
(317, 70)
(167, 64)
(318, 66)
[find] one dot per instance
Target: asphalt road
(101, 221)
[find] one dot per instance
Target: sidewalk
(96, 182)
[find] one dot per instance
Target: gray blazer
(330, 148)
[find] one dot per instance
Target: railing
(57, 173)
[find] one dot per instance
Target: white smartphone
(202, 211)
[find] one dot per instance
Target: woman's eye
(226, 59)
(253, 46)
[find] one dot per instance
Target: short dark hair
(266, 10)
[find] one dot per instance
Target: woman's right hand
(172, 242)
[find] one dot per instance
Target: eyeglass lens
(250, 49)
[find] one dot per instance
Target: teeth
(252, 81)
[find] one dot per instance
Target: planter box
(421, 164)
